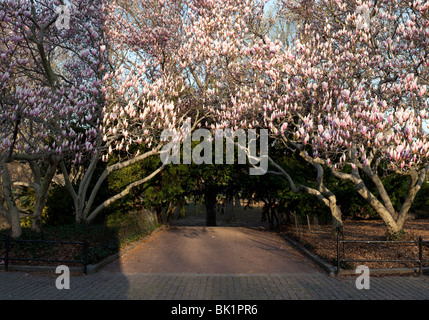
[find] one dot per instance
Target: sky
(269, 4)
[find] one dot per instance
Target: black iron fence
(8, 241)
(419, 262)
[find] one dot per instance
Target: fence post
(338, 252)
(6, 262)
(420, 255)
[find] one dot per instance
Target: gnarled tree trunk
(11, 210)
(322, 193)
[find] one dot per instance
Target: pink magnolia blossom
(42, 100)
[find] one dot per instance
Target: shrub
(103, 239)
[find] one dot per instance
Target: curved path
(197, 249)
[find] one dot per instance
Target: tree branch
(122, 194)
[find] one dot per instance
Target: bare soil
(321, 240)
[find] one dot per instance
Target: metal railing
(418, 261)
(8, 240)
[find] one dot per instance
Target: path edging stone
(328, 268)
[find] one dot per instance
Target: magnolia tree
(144, 92)
(369, 88)
(49, 84)
(181, 57)
(175, 60)
(350, 95)
(164, 60)
(262, 99)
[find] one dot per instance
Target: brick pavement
(184, 286)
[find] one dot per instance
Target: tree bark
(82, 205)
(385, 215)
(229, 208)
(389, 219)
(322, 193)
(415, 183)
(122, 194)
(15, 222)
(210, 204)
(11, 210)
(41, 192)
(337, 220)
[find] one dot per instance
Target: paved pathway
(279, 273)
(226, 250)
(186, 286)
